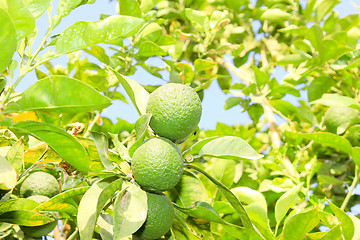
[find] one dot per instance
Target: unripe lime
(42, 230)
(338, 119)
(39, 183)
(157, 164)
(176, 110)
(159, 219)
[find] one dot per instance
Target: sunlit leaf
(233, 200)
(37, 7)
(85, 34)
(298, 225)
(8, 176)
(228, 147)
(15, 155)
(25, 218)
(202, 210)
(286, 201)
(336, 100)
(21, 17)
(275, 15)
(101, 143)
(130, 210)
(60, 94)
(130, 8)
(59, 140)
(92, 203)
(7, 41)
(138, 95)
(347, 225)
(141, 127)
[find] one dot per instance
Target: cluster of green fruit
(157, 164)
(40, 187)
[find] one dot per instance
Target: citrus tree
(68, 171)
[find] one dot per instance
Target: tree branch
(269, 114)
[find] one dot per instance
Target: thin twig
(42, 157)
(351, 189)
(91, 125)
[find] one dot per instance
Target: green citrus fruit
(159, 219)
(338, 119)
(42, 230)
(353, 134)
(39, 183)
(176, 110)
(157, 164)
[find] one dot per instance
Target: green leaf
(65, 7)
(261, 77)
(228, 147)
(37, 7)
(60, 94)
(15, 155)
(17, 204)
(61, 198)
(318, 87)
(149, 49)
(189, 190)
(141, 127)
(347, 225)
(147, 5)
(202, 210)
(25, 218)
(150, 32)
(295, 58)
(298, 225)
(137, 94)
(7, 41)
(232, 102)
(286, 201)
(219, 18)
(120, 148)
(275, 15)
(233, 200)
(326, 179)
(8, 176)
(323, 7)
(315, 36)
(336, 100)
(21, 17)
(82, 34)
(130, 8)
(102, 146)
(356, 155)
(203, 65)
(130, 210)
(93, 202)
(333, 234)
(59, 140)
(256, 208)
(105, 224)
(199, 20)
(329, 139)
(328, 50)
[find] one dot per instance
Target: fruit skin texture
(338, 119)
(159, 219)
(42, 230)
(157, 165)
(176, 111)
(39, 183)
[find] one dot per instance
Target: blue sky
(214, 99)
